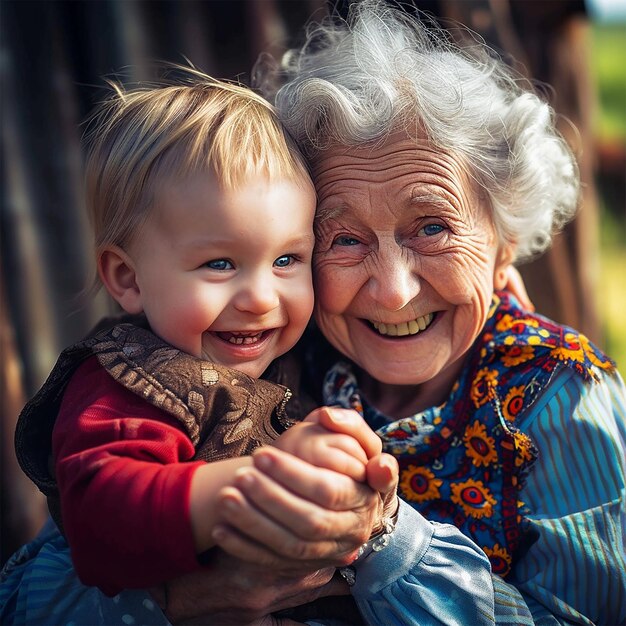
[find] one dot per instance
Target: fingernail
(389, 462)
(230, 504)
(337, 415)
(262, 461)
(243, 477)
(218, 533)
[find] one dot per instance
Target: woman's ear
(117, 273)
(505, 257)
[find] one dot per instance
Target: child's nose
(259, 296)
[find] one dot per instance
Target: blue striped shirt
(576, 570)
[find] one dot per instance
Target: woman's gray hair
(355, 82)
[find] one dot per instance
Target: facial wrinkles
(455, 202)
(373, 165)
(383, 198)
(472, 237)
(347, 184)
(350, 181)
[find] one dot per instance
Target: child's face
(226, 275)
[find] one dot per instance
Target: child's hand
(343, 447)
(348, 422)
(382, 468)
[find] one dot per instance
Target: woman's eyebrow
(430, 199)
(326, 213)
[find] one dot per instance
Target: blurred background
(54, 54)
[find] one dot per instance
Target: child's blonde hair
(143, 138)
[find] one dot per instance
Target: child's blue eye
(284, 261)
(432, 229)
(219, 265)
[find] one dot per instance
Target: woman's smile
(410, 328)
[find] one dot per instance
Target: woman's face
(405, 260)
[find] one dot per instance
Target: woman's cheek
(324, 291)
(334, 287)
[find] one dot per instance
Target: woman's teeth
(406, 328)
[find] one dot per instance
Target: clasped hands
(301, 510)
(314, 498)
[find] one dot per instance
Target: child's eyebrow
(204, 241)
(201, 243)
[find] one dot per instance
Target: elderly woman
(435, 169)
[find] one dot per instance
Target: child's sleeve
(124, 476)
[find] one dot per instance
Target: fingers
(332, 457)
(266, 523)
(348, 422)
(256, 506)
(246, 549)
(382, 473)
(323, 487)
(228, 591)
(288, 511)
(314, 444)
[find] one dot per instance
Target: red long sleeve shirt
(124, 474)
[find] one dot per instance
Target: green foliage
(608, 62)
(612, 301)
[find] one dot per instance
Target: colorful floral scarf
(465, 462)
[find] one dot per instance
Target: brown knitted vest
(224, 412)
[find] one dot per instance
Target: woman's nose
(258, 295)
(393, 281)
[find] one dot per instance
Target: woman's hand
(382, 476)
(291, 524)
(286, 513)
(228, 591)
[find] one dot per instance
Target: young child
(202, 210)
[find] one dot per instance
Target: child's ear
(117, 273)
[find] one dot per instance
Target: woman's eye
(430, 229)
(219, 265)
(284, 261)
(345, 240)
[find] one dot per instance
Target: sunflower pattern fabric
(465, 462)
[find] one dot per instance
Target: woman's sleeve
(429, 573)
(123, 471)
(576, 570)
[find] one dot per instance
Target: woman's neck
(399, 401)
